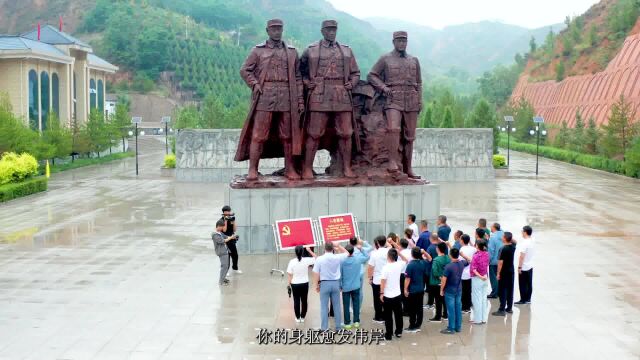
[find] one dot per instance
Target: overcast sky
(441, 13)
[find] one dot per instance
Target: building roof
(98, 63)
(51, 35)
(16, 46)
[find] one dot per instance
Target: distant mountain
(489, 43)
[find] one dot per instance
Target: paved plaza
(109, 266)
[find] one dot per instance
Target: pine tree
(447, 119)
(577, 136)
(620, 130)
(560, 71)
(483, 116)
(591, 137)
(563, 137)
(426, 120)
(532, 45)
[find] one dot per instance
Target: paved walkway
(109, 266)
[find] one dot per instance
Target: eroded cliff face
(591, 94)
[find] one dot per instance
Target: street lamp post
(508, 120)
(538, 120)
(136, 120)
(166, 120)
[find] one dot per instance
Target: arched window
(44, 99)
(92, 94)
(55, 94)
(100, 96)
(33, 100)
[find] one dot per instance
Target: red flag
(60, 23)
(38, 31)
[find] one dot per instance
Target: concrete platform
(378, 209)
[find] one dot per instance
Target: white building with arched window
(57, 74)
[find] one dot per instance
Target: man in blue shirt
(351, 284)
(451, 289)
(423, 238)
(365, 249)
(443, 229)
(326, 272)
(414, 289)
(495, 245)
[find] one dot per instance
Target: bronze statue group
(303, 104)
(457, 277)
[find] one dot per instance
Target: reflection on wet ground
(107, 266)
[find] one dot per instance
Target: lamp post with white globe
(538, 120)
(508, 129)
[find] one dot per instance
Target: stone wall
(377, 209)
(439, 155)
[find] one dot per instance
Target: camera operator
(229, 229)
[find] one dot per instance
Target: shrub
(499, 161)
(632, 163)
(15, 168)
(170, 161)
(24, 188)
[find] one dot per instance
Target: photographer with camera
(229, 229)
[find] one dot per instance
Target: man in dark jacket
(397, 76)
(272, 73)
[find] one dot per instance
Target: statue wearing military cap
(329, 72)
(397, 76)
(272, 72)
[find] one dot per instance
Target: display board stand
(288, 234)
(275, 238)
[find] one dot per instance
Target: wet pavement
(107, 266)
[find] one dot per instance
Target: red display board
(339, 227)
(294, 232)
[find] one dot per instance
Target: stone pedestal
(378, 209)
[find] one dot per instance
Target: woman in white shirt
(298, 271)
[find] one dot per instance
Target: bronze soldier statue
(329, 72)
(397, 76)
(272, 72)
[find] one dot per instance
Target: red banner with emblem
(340, 227)
(294, 232)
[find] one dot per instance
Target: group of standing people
(455, 275)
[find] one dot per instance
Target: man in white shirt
(377, 261)
(326, 272)
(391, 294)
(525, 250)
(466, 252)
(411, 221)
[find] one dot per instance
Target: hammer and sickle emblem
(286, 230)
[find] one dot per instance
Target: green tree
(578, 134)
(57, 138)
(447, 119)
(620, 130)
(483, 116)
(15, 136)
(81, 144)
(563, 137)
(97, 132)
(497, 85)
(560, 71)
(532, 45)
(567, 45)
(550, 43)
(121, 121)
(522, 112)
(593, 35)
(632, 162)
(214, 114)
(426, 120)
(591, 137)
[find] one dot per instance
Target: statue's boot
(345, 150)
(309, 154)
(289, 168)
(255, 150)
(407, 155)
(393, 143)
